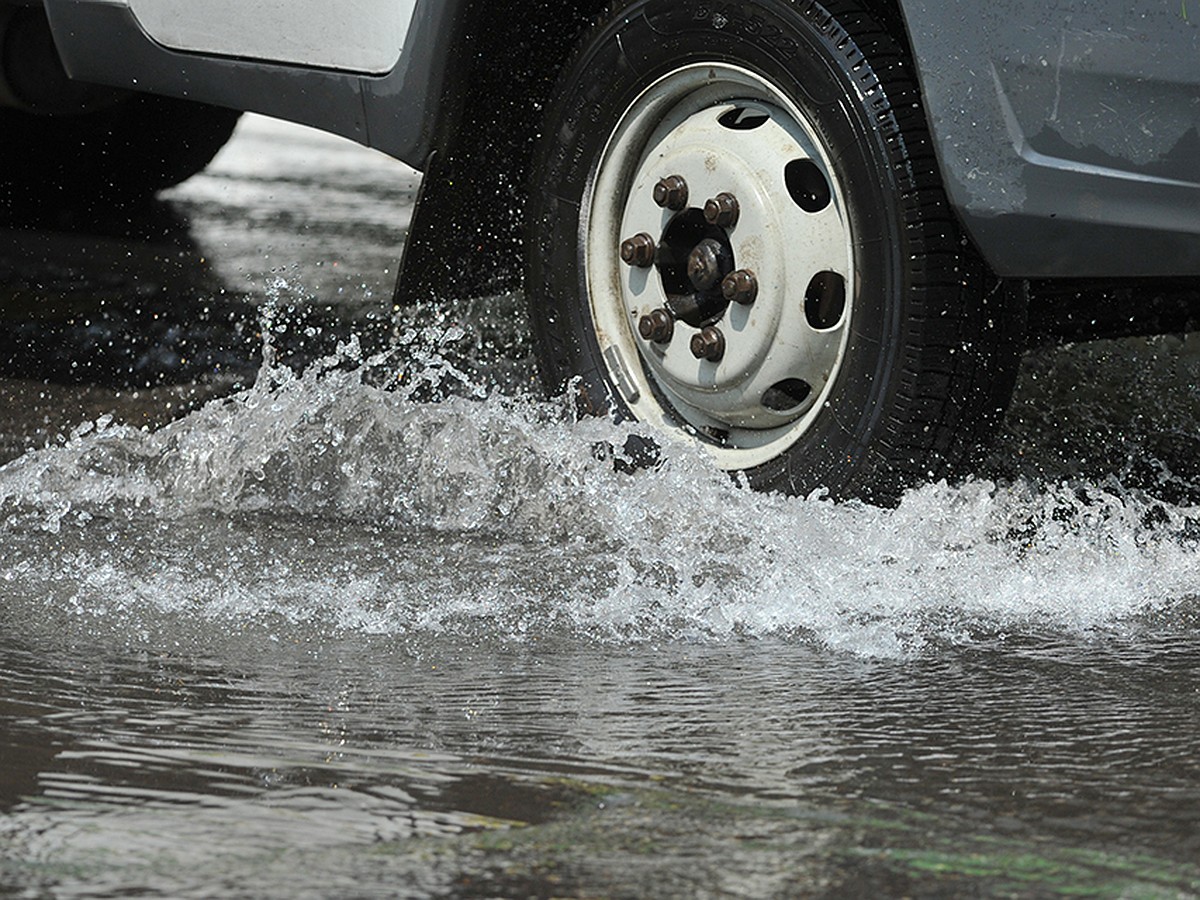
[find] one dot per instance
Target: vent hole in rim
(743, 118)
(807, 186)
(825, 300)
(786, 395)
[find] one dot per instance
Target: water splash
(339, 497)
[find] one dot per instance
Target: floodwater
(304, 596)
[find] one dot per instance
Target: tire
(875, 350)
(124, 152)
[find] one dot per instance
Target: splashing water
(340, 497)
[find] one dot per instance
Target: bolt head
(708, 343)
(740, 287)
(638, 251)
(722, 210)
(657, 326)
(671, 193)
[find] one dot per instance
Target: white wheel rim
(782, 352)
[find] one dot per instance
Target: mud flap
(465, 237)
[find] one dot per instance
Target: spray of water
(390, 494)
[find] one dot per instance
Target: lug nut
(658, 326)
(671, 193)
(708, 344)
(722, 210)
(704, 264)
(638, 250)
(740, 287)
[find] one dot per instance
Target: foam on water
(337, 497)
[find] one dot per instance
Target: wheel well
(466, 235)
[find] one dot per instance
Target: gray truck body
(1068, 134)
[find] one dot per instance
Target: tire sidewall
(805, 55)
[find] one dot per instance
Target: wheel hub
(734, 325)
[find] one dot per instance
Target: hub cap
(754, 268)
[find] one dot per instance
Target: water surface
(350, 621)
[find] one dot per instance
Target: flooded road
(301, 595)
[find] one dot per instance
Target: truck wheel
(128, 149)
(737, 234)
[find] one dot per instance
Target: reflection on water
(380, 623)
(735, 766)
